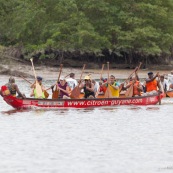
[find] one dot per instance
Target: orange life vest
(135, 89)
(151, 86)
(103, 89)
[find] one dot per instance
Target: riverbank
(53, 72)
(16, 67)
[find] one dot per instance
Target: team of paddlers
(66, 88)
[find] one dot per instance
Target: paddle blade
(108, 93)
(75, 93)
(55, 94)
(38, 90)
(129, 92)
(46, 94)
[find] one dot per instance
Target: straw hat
(87, 78)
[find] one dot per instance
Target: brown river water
(122, 139)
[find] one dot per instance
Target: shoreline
(53, 73)
(15, 68)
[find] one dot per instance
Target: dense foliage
(141, 26)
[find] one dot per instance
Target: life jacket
(87, 93)
(103, 88)
(115, 92)
(36, 96)
(151, 86)
(5, 91)
(135, 89)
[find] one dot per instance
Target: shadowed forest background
(76, 31)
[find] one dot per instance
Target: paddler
(152, 84)
(137, 86)
(114, 86)
(33, 86)
(64, 89)
(11, 88)
(88, 87)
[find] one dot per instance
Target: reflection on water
(152, 108)
(13, 111)
(122, 139)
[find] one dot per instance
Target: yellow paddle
(46, 94)
(108, 93)
(135, 70)
(38, 87)
(129, 92)
(102, 71)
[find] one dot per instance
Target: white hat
(62, 78)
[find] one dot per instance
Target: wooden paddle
(76, 91)
(56, 83)
(46, 94)
(67, 75)
(55, 93)
(102, 71)
(135, 70)
(25, 79)
(129, 92)
(38, 87)
(108, 93)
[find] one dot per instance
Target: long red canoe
(19, 103)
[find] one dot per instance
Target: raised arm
(149, 80)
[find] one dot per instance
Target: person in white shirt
(96, 87)
(72, 83)
(164, 83)
(170, 80)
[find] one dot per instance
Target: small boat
(20, 103)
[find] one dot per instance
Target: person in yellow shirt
(113, 86)
(33, 86)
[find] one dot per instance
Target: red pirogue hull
(81, 103)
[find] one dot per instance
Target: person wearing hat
(71, 81)
(151, 83)
(64, 89)
(136, 85)
(88, 88)
(170, 80)
(33, 86)
(12, 88)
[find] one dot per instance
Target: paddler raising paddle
(136, 86)
(152, 84)
(133, 87)
(33, 86)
